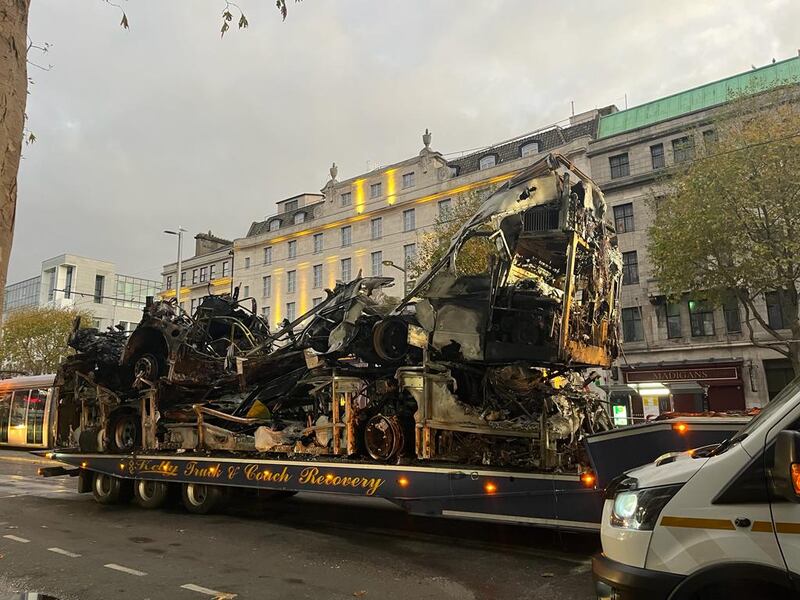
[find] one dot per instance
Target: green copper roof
(704, 96)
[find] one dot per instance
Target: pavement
(65, 546)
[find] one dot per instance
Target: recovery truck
(465, 398)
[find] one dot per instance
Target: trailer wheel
(108, 489)
(201, 498)
(150, 494)
(125, 432)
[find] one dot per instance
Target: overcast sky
(167, 124)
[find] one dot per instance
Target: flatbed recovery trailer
(562, 500)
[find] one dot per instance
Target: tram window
(5, 410)
(18, 406)
(36, 408)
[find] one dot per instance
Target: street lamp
(389, 263)
(178, 233)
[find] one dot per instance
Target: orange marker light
(588, 479)
(329, 476)
(121, 466)
(489, 487)
(402, 481)
(796, 477)
(84, 465)
(681, 428)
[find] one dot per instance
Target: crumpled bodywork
(471, 368)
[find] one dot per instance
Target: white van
(720, 521)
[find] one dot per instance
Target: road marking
(16, 539)
(196, 588)
(64, 552)
(125, 570)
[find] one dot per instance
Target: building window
(657, 156)
(246, 291)
(409, 254)
(709, 138)
(487, 162)
(246, 262)
(290, 311)
(317, 243)
(99, 283)
(347, 236)
(409, 179)
(291, 282)
(193, 305)
(683, 149)
(211, 272)
(619, 165)
(409, 220)
(623, 218)
(347, 199)
(299, 218)
(275, 224)
(169, 282)
(632, 330)
(454, 170)
(701, 315)
(445, 209)
(203, 274)
(68, 282)
(265, 313)
(529, 149)
(266, 286)
(630, 268)
(194, 276)
(292, 249)
(183, 278)
(376, 228)
(316, 301)
(375, 190)
(673, 320)
(346, 264)
(776, 316)
(290, 206)
(226, 268)
(377, 264)
(730, 308)
(317, 279)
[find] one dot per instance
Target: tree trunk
(13, 97)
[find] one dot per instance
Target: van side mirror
(786, 472)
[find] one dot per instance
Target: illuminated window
(376, 228)
(318, 241)
(347, 199)
(346, 265)
(409, 180)
(377, 264)
(317, 279)
(409, 220)
(291, 281)
(375, 190)
(487, 162)
(292, 249)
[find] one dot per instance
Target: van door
(786, 520)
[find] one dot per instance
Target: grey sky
(166, 124)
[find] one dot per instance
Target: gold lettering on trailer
(256, 473)
(164, 467)
(193, 469)
(312, 476)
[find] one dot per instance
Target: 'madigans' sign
(681, 374)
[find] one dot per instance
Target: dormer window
(299, 218)
(487, 162)
(529, 149)
(290, 206)
(275, 224)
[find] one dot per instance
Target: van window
(788, 394)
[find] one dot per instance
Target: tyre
(148, 366)
(201, 498)
(107, 489)
(124, 433)
(150, 494)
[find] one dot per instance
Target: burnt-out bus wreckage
(470, 369)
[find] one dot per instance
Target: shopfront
(684, 387)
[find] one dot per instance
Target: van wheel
(125, 433)
(107, 489)
(201, 498)
(150, 494)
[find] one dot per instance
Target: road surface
(60, 543)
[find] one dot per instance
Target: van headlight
(639, 509)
